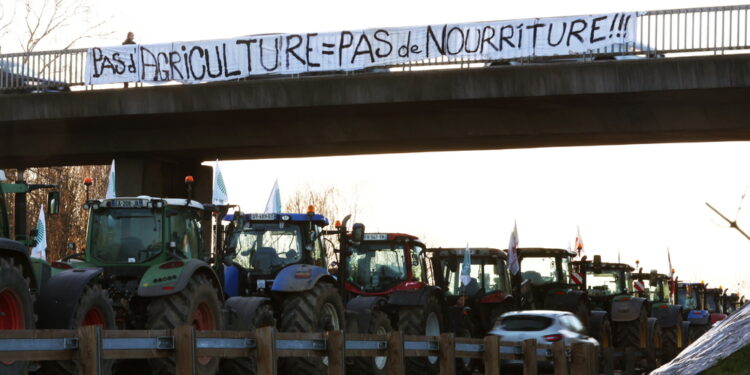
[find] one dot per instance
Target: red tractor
(386, 288)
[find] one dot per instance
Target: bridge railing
(662, 33)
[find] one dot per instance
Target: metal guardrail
(712, 30)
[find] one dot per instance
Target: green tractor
(547, 281)
(148, 253)
(656, 288)
(30, 288)
(610, 288)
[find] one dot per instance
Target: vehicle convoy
(387, 288)
(485, 297)
(275, 274)
(655, 287)
(148, 254)
(546, 281)
(63, 301)
(714, 305)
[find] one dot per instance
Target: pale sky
(635, 200)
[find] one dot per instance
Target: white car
(546, 326)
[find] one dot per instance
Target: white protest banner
(228, 59)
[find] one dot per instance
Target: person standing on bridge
(130, 39)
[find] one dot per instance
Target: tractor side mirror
(358, 232)
(652, 277)
(452, 263)
(597, 264)
(53, 202)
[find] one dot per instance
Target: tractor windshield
(607, 283)
(483, 277)
(657, 290)
(688, 298)
(545, 270)
(377, 266)
(711, 303)
(125, 235)
(265, 248)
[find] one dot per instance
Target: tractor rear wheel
(424, 321)
(696, 331)
(669, 343)
(381, 325)
(261, 317)
(317, 310)
(198, 305)
(16, 308)
(94, 309)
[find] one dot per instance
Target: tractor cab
(690, 296)
(713, 298)
(488, 293)
(260, 246)
(605, 282)
(546, 270)
(731, 303)
(385, 262)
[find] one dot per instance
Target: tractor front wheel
(94, 309)
(316, 310)
(424, 321)
(249, 320)
(669, 343)
(380, 325)
(197, 305)
(696, 331)
(16, 308)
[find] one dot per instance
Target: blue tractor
(275, 274)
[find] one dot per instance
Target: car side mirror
(53, 202)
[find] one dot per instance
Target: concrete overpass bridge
(160, 133)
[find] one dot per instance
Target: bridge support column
(162, 178)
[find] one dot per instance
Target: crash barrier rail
(710, 30)
(91, 345)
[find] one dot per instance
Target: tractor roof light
(88, 181)
(337, 224)
(189, 179)
(310, 210)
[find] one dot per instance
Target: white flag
(513, 251)
(466, 268)
(111, 192)
(40, 250)
(220, 195)
(273, 206)
(579, 242)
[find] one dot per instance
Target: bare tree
(51, 18)
(70, 224)
(7, 15)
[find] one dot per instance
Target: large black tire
(262, 317)
(424, 321)
(654, 346)
(17, 306)
(94, 308)
(669, 342)
(379, 324)
(582, 311)
(198, 304)
(316, 310)
(696, 331)
(628, 334)
(465, 366)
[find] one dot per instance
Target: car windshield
(483, 275)
(377, 266)
(265, 248)
(540, 270)
(525, 323)
(126, 235)
(606, 283)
